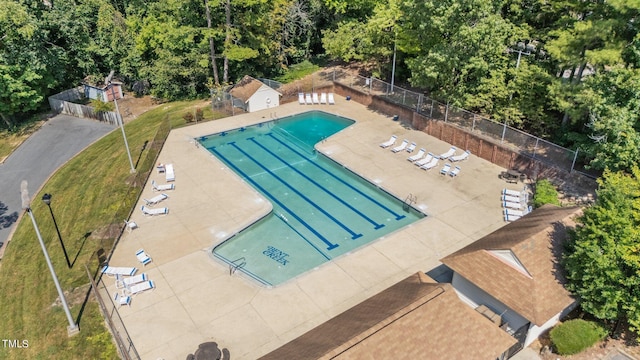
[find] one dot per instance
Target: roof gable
(536, 288)
(246, 87)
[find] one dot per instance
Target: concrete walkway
(196, 300)
(57, 141)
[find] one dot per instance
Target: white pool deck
(196, 300)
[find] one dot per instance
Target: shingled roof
(518, 264)
(416, 318)
(246, 87)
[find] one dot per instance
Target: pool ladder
(236, 264)
(408, 201)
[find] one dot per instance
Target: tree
(18, 92)
(603, 256)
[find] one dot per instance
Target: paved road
(36, 159)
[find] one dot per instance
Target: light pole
(393, 66)
(107, 81)
(46, 198)
(523, 49)
(72, 329)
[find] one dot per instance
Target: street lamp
(523, 49)
(46, 198)
(72, 329)
(107, 81)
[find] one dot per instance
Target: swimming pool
(320, 209)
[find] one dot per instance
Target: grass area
(10, 140)
(545, 193)
(574, 336)
(90, 193)
(298, 71)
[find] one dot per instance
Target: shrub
(188, 117)
(545, 193)
(199, 115)
(576, 335)
(101, 107)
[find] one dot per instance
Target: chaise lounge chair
(424, 161)
(151, 212)
(417, 156)
(156, 199)
(431, 164)
(323, 98)
(316, 100)
(122, 283)
(445, 169)
(455, 171)
(512, 205)
(301, 99)
(401, 147)
(411, 147)
(511, 198)
(143, 257)
(162, 187)
(508, 217)
(138, 288)
(511, 192)
(122, 299)
(331, 101)
(307, 98)
(113, 270)
(460, 157)
(390, 142)
(170, 174)
(448, 154)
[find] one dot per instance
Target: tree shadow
(6, 220)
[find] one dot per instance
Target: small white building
(255, 94)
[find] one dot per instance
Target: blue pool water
(320, 209)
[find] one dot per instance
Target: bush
(101, 107)
(298, 71)
(545, 193)
(576, 335)
(199, 115)
(188, 117)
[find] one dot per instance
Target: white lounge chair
(511, 192)
(140, 287)
(514, 212)
(122, 299)
(114, 270)
(307, 98)
(331, 100)
(508, 217)
(401, 147)
(431, 164)
(445, 169)
(162, 187)
(323, 98)
(512, 205)
(131, 225)
(455, 171)
(417, 156)
(411, 147)
(316, 100)
(151, 212)
(143, 257)
(390, 142)
(301, 99)
(129, 281)
(156, 199)
(170, 175)
(424, 161)
(460, 157)
(511, 198)
(448, 154)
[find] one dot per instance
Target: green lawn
(10, 140)
(91, 192)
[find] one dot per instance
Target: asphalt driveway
(61, 138)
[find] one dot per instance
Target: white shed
(255, 94)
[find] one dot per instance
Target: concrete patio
(196, 300)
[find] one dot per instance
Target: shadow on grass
(84, 240)
(101, 260)
(144, 146)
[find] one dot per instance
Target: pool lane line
(398, 216)
(302, 236)
(353, 234)
(274, 199)
(375, 224)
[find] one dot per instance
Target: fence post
(575, 157)
(419, 104)
(535, 147)
(334, 74)
(504, 131)
(431, 112)
(371, 84)
(404, 96)
(446, 112)
(473, 126)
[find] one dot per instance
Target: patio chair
(122, 299)
(316, 100)
(138, 288)
(513, 212)
(160, 168)
(390, 142)
(455, 171)
(417, 156)
(156, 199)
(331, 101)
(446, 155)
(307, 98)
(511, 198)
(323, 98)
(151, 212)
(460, 157)
(131, 225)
(411, 147)
(122, 283)
(401, 147)
(301, 99)
(143, 257)
(170, 174)
(512, 205)
(162, 187)
(431, 164)
(424, 161)
(510, 218)
(114, 270)
(511, 192)
(445, 169)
